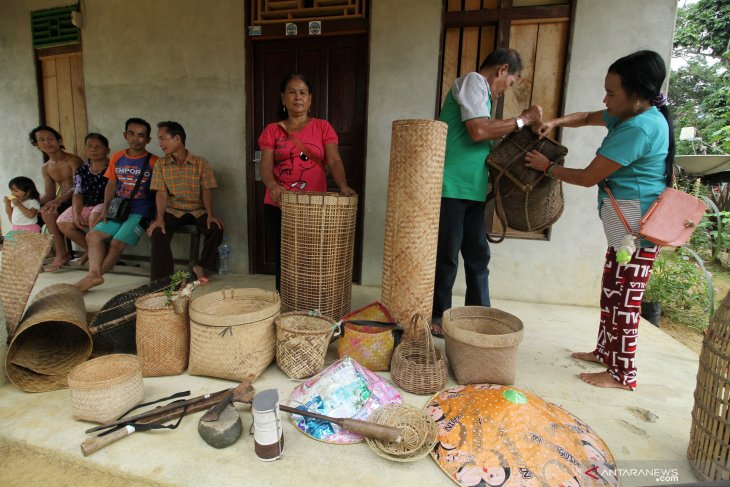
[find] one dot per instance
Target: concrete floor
(645, 429)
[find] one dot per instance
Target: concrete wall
(184, 60)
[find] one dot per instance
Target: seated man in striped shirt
(183, 182)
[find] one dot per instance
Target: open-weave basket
(481, 344)
(23, 255)
(51, 339)
(419, 432)
(317, 245)
(525, 199)
(113, 328)
(232, 332)
(418, 366)
(163, 336)
(415, 177)
(104, 388)
(709, 440)
(302, 339)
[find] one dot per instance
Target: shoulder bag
(119, 208)
(670, 221)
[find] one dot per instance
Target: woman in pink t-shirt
(296, 154)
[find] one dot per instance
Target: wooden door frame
(334, 28)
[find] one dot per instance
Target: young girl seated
(23, 205)
(87, 203)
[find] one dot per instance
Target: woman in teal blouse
(635, 161)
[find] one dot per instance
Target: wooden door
(63, 98)
(336, 68)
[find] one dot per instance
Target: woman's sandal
(437, 330)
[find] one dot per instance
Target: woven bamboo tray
(104, 388)
(113, 328)
(163, 336)
(232, 332)
(417, 154)
(23, 255)
(481, 344)
(317, 245)
(51, 340)
(709, 441)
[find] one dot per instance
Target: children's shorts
(129, 231)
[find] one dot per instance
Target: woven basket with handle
(232, 332)
(418, 366)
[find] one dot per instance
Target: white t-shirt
(19, 218)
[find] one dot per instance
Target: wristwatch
(519, 123)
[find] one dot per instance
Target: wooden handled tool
(365, 428)
(243, 393)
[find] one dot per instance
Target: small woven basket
(481, 344)
(162, 336)
(104, 388)
(709, 439)
(419, 432)
(232, 333)
(417, 365)
(301, 342)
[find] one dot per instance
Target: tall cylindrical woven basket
(162, 335)
(709, 439)
(51, 340)
(317, 244)
(417, 151)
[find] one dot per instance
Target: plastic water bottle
(224, 251)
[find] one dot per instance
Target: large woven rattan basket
(163, 336)
(113, 328)
(525, 199)
(481, 344)
(232, 332)
(104, 388)
(317, 245)
(22, 258)
(51, 340)
(415, 177)
(709, 441)
(302, 339)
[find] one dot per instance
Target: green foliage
(679, 285)
(699, 93)
(175, 281)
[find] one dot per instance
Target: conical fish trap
(417, 152)
(525, 199)
(317, 245)
(709, 441)
(51, 340)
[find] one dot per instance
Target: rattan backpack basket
(418, 366)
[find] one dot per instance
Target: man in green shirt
(467, 111)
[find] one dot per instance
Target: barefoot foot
(89, 281)
(57, 263)
(603, 379)
(587, 356)
(200, 274)
(79, 261)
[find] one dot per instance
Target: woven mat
(22, 259)
(51, 340)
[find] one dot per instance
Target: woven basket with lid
(104, 388)
(232, 332)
